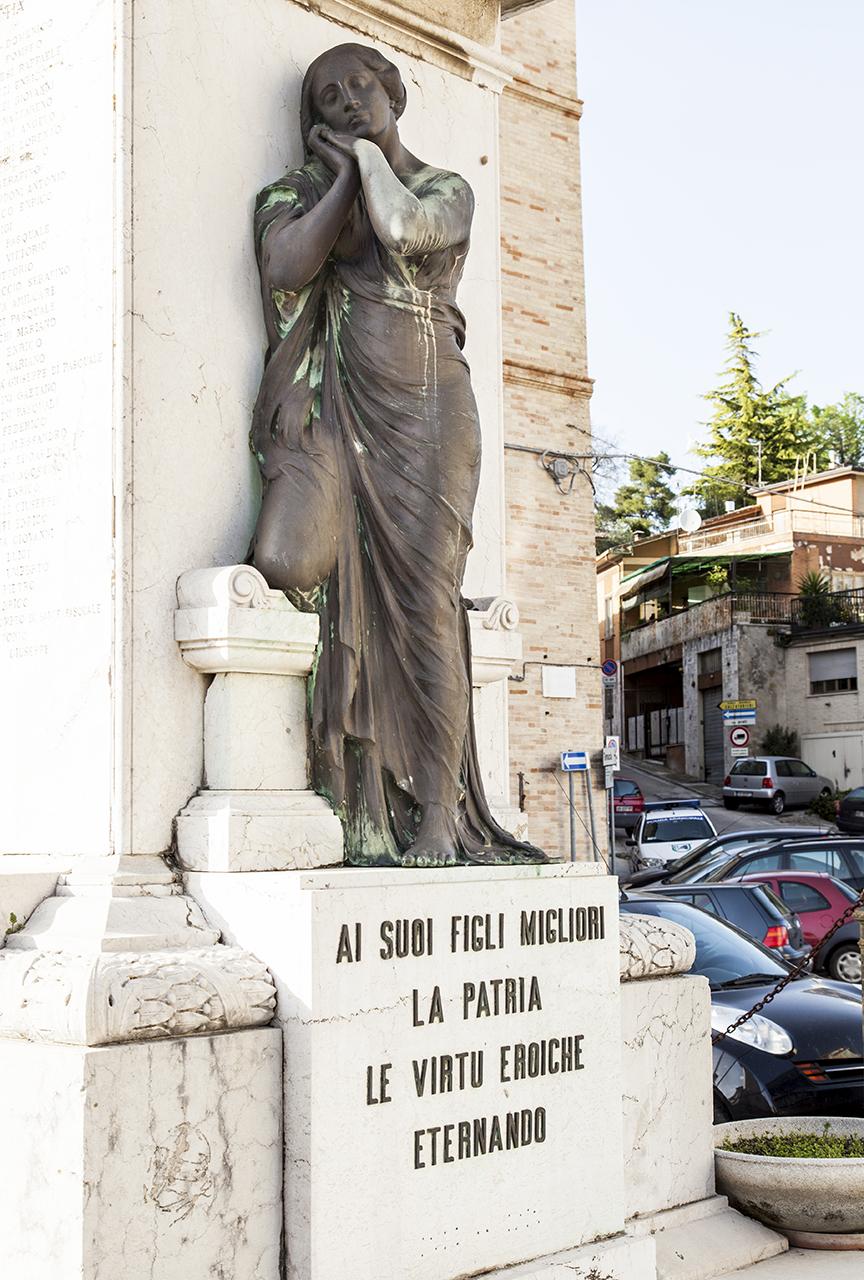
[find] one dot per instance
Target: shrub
(780, 741)
(825, 807)
(797, 1146)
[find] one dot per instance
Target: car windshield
(624, 787)
(666, 829)
(722, 954)
(750, 768)
(701, 871)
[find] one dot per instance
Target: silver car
(776, 781)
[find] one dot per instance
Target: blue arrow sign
(574, 761)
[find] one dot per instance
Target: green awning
(699, 564)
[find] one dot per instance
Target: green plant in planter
(814, 589)
(780, 741)
(800, 1146)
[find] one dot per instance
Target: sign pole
(572, 817)
(611, 799)
(591, 815)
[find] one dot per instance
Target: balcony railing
(778, 527)
(823, 612)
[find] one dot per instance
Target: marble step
(706, 1239)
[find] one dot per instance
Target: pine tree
(841, 428)
(746, 417)
(644, 505)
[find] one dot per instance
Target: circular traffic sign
(739, 737)
(609, 668)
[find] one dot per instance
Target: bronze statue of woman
(368, 440)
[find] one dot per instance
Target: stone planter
(817, 1203)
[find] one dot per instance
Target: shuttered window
(833, 671)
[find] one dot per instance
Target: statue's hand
(346, 143)
(337, 159)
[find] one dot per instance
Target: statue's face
(350, 98)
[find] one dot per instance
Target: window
(704, 901)
(798, 769)
(752, 866)
(676, 829)
(802, 897)
(750, 768)
(828, 860)
(783, 768)
(626, 787)
(609, 704)
(608, 622)
(833, 671)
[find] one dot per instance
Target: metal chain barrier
(793, 973)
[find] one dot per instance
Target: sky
(722, 170)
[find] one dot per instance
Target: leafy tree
(841, 428)
(746, 416)
(646, 504)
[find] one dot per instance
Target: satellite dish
(689, 520)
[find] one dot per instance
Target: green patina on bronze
(367, 436)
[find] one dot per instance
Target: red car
(628, 802)
(818, 899)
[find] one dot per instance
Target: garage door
(712, 735)
(839, 757)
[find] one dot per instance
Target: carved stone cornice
(420, 37)
(650, 947)
(562, 104)
(519, 374)
(120, 953)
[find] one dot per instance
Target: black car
(837, 856)
(850, 812)
(802, 1056)
(753, 908)
(728, 842)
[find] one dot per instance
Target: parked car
(755, 909)
(776, 781)
(727, 842)
(837, 856)
(668, 829)
(628, 803)
(803, 1056)
(850, 812)
(818, 900)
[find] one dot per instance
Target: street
(656, 783)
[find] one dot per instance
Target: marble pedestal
(452, 1062)
(153, 1161)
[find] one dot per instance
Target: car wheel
(729, 804)
(777, 803)
(844, 964)
(825, 793)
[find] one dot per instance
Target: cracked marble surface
(176, 1144)
(668, 1117)
(651, 947)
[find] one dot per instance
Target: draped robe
(367, 415)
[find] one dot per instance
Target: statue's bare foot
(435, 843)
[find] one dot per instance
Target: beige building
(550, 525)
(717, 614)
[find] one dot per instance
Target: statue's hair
(374, 61)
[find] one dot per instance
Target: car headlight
(651, 862)
(759, 1032)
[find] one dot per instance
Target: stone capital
(495, 643)
(229, 620)
(650, 947)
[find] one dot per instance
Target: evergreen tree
(841, 430)
(646, 504)
(746, 417)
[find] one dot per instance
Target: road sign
(739, 717)
(609, 779)
(609, 682)
(609, 667)
(612, 753)
(738, 704)
(738, 753)
(739, 737)
(574, 761)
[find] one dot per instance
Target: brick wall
(550, 535)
